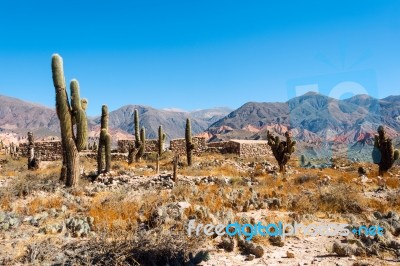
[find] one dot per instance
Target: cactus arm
(79, 116)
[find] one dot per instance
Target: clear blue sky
(196, 54)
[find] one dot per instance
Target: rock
(342, 250)
(289, 255)
(90, 220)
(64, 208)
(258, 251)
(250, 257)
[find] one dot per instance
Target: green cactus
(142, 146)
(161, 139)
(137, 131)
(78, 111)
(70, 168)
(189, 143)
(94, 146)
(104, 148)
(302, 160)
(281, 150)
(383, 153)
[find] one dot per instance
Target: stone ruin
(52, 150)
(48, 150)
(242, 148)
(151, 145)
(178, 146)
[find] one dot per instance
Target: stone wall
(49, 150)
(151, 145)
(251, 148)
(243, 148)
(178, 146)
(52, 150)
(115, 156)
(224, 147)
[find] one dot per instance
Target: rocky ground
(133, 216)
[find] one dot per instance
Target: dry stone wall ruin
(52, 150)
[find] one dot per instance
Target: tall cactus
(78, 111)
(137, 129)
(142, 146)
(383, 153)
(282, 150)
(70, 168)
(161, 139)
(104, 148)
(189, 143)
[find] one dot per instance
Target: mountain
(19, 117)
(173, 121)
(315, 117)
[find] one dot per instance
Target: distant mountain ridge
(20, 116)
(312, 117)
(316, 117)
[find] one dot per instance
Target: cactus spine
(104, 148)
(70, 168)
(161, 139)
(189, 143)
(78, 111)
(383, 153)
(282, 150)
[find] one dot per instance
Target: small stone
(289, 255)
(250, 257)
(258, 251)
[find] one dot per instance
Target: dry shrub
(40, 204)
(6, 201)
(393, 201)
(377, 205)
(393, 182)
(112, 214)
(153, 247)
(339, 198)
(306, 179)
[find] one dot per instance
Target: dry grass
(393, 182)
(118, 211)
(37, 205)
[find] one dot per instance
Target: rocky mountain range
(313, 118)
(19, 116)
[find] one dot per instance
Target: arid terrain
(133, 216)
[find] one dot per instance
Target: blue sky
(199, 54)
